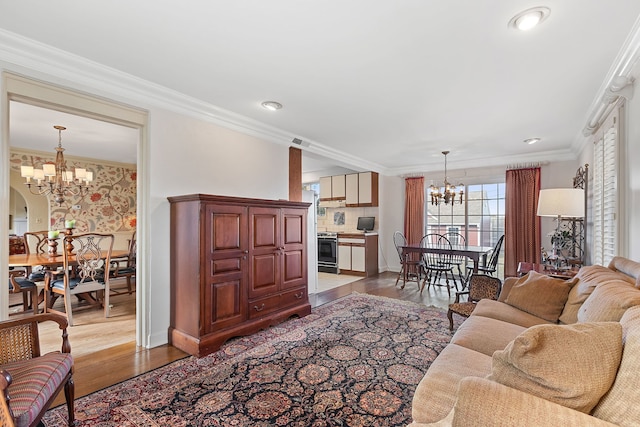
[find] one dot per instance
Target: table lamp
(561, 203)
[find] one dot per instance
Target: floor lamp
(560, 203)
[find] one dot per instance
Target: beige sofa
(549, 352)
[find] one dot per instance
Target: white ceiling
(31, 127)
(392, 82)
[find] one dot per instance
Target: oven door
(328, 254)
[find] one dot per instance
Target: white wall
(391, 213)
(191, 156)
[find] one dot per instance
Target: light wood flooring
(95, 370)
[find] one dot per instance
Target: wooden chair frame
(86, 261)
(19, 340)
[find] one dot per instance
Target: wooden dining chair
(437, 264)
(458, 241)
(491, 267)
(409, 268)
(18, 283)
(86, 258)
(125, 267)
(35, 242)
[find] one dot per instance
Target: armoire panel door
(265, 251)
(225, 254)
(294, 262)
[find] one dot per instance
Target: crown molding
(618, 83)
(489, 162)
(44, 62)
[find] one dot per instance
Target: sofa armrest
(482, 402)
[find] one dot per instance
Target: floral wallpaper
(108, 206)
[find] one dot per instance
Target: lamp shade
(561, 202)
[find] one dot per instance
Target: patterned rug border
(231, 353)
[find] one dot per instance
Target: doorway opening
(95, 113)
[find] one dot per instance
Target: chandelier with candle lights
(54, 179)
(447, 193)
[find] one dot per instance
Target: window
(479, 219)
(605, 192)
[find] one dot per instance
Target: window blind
(605, 195)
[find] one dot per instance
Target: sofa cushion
(572, 365)
(620, 405)
(501, 311)
(609, 301)
(485, 335)
(540, 295)
(588, 278)
(436, 393)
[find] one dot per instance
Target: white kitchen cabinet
(325, 188)
(352, 190)
(362, 189)
(358, 253)
(338, 187)
(332, 187)
(344, 257)
(358, 260)
(368, 189)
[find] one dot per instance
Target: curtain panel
(522, 240)
(414, 210)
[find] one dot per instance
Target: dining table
(47, 260)
(31, 260)
(474, 253)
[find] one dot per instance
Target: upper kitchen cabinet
(332, 187)
(325, 188)
(361, 189)
(338, 187)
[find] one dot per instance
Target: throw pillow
(540, 295)
(572, 365)
(609, 301)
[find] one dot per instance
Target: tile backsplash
(345, 219)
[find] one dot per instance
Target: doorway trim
(47, 95)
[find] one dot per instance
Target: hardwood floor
(103, 368)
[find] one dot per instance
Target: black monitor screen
(366, 223)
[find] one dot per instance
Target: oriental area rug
(353, 362)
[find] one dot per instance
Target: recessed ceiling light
(532, 140)
(529, 18)
(271, 105)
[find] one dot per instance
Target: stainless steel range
(328, 252)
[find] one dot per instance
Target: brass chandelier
(54, 179)
(448, 193)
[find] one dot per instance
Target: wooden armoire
(238, 265)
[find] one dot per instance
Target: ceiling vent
(298, 141)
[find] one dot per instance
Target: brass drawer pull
(256, 308)
(300, 295)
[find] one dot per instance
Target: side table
(525, 267)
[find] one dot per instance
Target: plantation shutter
(605, 194)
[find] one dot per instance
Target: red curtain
(522, 240)
(414, 210)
